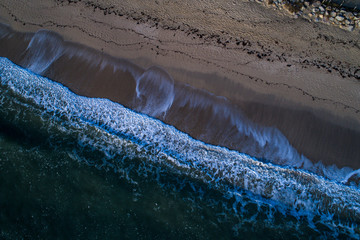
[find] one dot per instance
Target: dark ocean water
(88, 168)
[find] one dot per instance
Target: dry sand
(241, 50)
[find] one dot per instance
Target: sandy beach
(299, 76)
(191, 119)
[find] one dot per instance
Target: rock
(316, 4)
(349, 28)
(357, 73)
(321, 9)
(357, 23)
(333, 14)
(349, 15)
(347, 22)
(339, 18)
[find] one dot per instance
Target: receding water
(87, 168)
(283, 136)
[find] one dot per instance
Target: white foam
(267, 142)
(154, 92)
(226, 170)
(352, 174)
(44, 48)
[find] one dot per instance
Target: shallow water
(78, 167)
(288, 137)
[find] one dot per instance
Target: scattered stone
(339, 18)
(357, 74)
(318, 11)
(349, 27)
(317, 4)
(349, 15)
(357, 23)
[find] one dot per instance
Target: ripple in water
(227, 188)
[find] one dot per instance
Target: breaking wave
(114, 130)
(204, 116)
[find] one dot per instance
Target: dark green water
(46, 194)
(78, 168)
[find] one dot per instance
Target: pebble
(317, 4)
(349, 15)
(349, 27)
(339, 18)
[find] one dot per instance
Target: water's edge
(297, 138)
(109, 135)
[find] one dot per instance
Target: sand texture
(261, 59)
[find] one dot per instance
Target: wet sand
(298, 76)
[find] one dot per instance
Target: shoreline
(250, 64)
(242, 69)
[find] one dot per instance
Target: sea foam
(205, 116)
(228, 171)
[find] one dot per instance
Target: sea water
(89, 168)
(280, 135)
